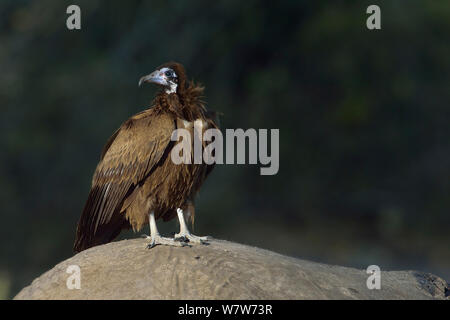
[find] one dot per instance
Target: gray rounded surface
(220, 270)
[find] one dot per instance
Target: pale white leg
(184, 234)
(156, 239)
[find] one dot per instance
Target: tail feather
(92, 233)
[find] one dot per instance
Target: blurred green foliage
(363, 116)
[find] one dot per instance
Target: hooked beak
(154, 77)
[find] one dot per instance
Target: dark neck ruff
(185, 105)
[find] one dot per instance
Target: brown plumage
(135, 175)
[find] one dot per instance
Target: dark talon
(182, 239)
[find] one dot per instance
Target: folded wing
(128, 157)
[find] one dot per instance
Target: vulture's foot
(184, 235)
(157, 239)
(188, 237)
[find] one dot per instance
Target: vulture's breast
(170, 185)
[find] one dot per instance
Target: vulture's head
(170, 76)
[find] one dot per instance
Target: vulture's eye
(169, 73)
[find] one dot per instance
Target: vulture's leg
(184, 234)
(156, 239)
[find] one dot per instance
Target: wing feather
(128, 157)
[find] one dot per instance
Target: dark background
(363, 116)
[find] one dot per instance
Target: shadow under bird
(136, 182)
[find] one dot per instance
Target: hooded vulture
(136, 182)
